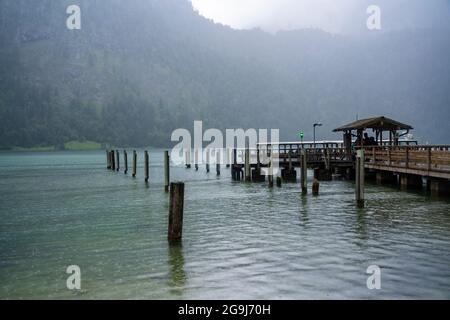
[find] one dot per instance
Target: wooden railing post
(429, 158)
(374, 157)
(407, 158)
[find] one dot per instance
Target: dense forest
(138, 69)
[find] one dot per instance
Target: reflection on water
(178, 277)
(240, 240)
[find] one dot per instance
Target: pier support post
(248, 174)
(208, 160)
(270, 172)
(304, 172)
(359, 192)
(410, 181)
(315, 187)
(166, 171)
(176, 207)
(134, 163)
(234, 175)
(125, 159)
(117, 160)
(385, 177)
(146, 167)
(228, 157)
(279, 182)
(439, 187)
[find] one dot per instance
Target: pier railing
(430, 160)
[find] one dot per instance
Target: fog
(336, 16)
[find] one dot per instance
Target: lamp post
(316, 125)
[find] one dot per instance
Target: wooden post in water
(196, 159)
(118, 160)
(315, 187)
(166, 171)
(176, 206)
(227, 157)
(134, 163)
(146, 166)
(360, 178)
(113, 160)
(279, 182)
(270, 172)
(125, 158)
(218, 159)
(304, 172)
(188, 158)
(207, 160)
(247, 168)
(108, 160)
(234, 174)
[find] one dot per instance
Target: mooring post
(304, 172)
(166, 170)
(234, 174)
(112, 158)
(134, 163)
(188, 158)
(270, 172)
(108, 160)
(218, 160)
(360, 178)
(207, 160)
(315, 187)
(227, 157)
(247, 169)
(146, 166)
(176, 206)
(118, 160)
(279, 182)
(196, 159)
(125, 158)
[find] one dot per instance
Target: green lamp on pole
(301, 135)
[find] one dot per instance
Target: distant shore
(68, 146)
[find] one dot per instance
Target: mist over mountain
(139, 69)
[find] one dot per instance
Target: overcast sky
(337, 16)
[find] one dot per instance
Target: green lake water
(241, 240)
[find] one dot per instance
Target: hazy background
(336, 16)
(139, 69)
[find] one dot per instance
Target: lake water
(241, 240)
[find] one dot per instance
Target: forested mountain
(138, 69)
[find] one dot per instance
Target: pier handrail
(428, 159)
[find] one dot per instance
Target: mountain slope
(138, 69)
